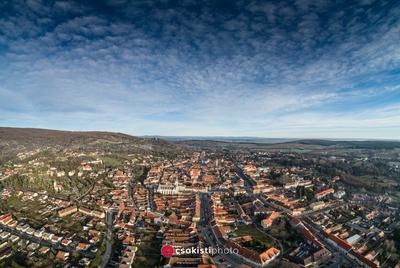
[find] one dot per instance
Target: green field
(148, 254)
(112, 161)
(261, 240)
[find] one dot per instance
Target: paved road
(46, 243)
(231, 260)
(150, 197)
(248, 182)
(327, 208)
(273, 205)
(336, 252)
(130, 192)
(315, 230)
(205, 228)
(86, 193)
(107, 254)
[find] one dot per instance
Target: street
(109, 236)
(46, 243)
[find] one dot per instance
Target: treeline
(332, 168)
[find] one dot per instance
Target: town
(72, 208)
(199, 134)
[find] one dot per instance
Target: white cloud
(269, 69)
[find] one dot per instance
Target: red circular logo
(167, 251)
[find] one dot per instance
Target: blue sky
(306, 68)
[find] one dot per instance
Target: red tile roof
(341, 243)
(364, 260)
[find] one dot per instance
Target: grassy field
(261, 240)
(31, 210)
(149, 251)
(112, 161)
(12, 202)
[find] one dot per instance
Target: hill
(355, 144)
(15, 139)
(309, 144)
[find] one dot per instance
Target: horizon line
(205, 137)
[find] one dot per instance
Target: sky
(282, 69)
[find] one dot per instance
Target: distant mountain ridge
(223, 139)
(287, 144)
(12, 139)
(355, 144)
(251, 139)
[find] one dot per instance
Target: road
(205, 228)
(150, 196)
(316, 230)
(273, 205)
(46, 243)
(86, 193)
(230, 260)
(248, 182)
(327, 208)
(109, 236)
(130, 192)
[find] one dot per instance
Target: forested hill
(13, 139)
(307, 144)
